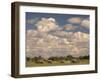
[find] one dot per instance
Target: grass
(31, 63)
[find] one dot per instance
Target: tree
(28, 58)
(69, 57)
(53, 58)
(35, 59)
(84, 57)
(61, 58)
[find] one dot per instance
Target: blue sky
(61, 20)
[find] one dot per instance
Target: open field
(31, 63)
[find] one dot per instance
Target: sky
(79, 22)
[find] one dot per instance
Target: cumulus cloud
(32, 21)
(58, 42)
(85, 23)
(70, 27)
(48, 44)
(80, 37)
(46, 24)
(75, 20)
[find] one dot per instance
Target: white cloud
(75, 20)
(46, 24)
(85, 23)
(48, 44)
(51, 19)
(69, 27)
(81, 37)
(32, 21)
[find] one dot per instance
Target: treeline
(60, 59)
